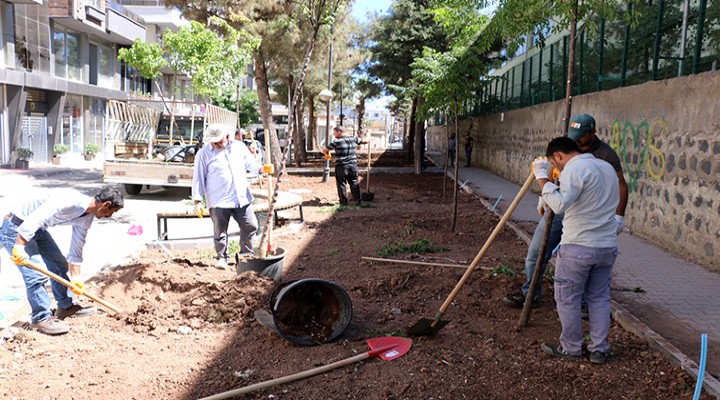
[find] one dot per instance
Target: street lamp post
(327, 95)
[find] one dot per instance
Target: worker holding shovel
(588, 195)
(220, 175)
(345, 164)
(24, 235)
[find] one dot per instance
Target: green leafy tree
(244, 102)
(213, 59)
(398, 39)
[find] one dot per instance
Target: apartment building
(59, 68)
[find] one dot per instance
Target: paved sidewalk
(679, 300)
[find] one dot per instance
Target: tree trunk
(456, 186)
(361, 117)
(265, 104)
(411, 131)
(312, 142)
(300, 152)
(419, 142)
(570, 69)
(447, 155)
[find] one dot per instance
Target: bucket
(270, 266)
(310, 311)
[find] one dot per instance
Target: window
(66, 48)
(106, 68)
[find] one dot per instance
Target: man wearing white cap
(220, 178)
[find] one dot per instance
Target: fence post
(698, 40)
(658, 36)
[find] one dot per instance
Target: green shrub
(60, 149)
(24, 153)
(91, 149)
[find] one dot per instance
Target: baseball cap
(580, 125)
(214, 133)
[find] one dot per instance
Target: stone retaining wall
(667, 134)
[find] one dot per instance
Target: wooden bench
(285, 201)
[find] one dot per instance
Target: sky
(360, 8)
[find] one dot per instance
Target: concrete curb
(672, 353)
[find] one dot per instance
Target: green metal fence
(670, 38)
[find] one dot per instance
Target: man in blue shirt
(345, 164)
(220, 178)
(24, 235)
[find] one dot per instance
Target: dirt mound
(184, 292)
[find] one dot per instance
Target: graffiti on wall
(635, 144)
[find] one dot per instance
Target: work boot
(517, 300)
(599, 357)
(75, 311)
(222, 264)
(51, 326)
(558, 351)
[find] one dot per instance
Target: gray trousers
(246, 219)
(587, 270)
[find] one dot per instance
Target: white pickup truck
(145, 148)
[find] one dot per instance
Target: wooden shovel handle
(289, 378)
(71, 286)
(485, 247)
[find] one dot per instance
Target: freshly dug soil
(188, 329)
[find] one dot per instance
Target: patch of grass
(502, 270)
(418, 246)
(408, 230)
(337, 208)
(233, 247)
(206, 254)
(332, 252)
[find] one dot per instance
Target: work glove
(328, 156)
(540, 168)
(19, 255)
(620, 220)
(73, 269)
(541, 206)
(199, 209)
(268, 169)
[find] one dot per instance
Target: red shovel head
(389, 347)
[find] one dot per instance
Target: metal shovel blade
(425, 327)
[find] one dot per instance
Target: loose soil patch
(188, 329)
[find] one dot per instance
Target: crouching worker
(24, 235)
(588, 195)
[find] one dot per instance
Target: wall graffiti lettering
(639, 140)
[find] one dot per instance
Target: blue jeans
(43, 252)
(584, 270)
(534, 251)
(246, 219)
(468, 157)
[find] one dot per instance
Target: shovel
(388, 348)
(429, 326)
(71, 286)
(368, 195)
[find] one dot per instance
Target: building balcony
(80, 15)
(124, 26)
(112, 23)
(38, 2)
